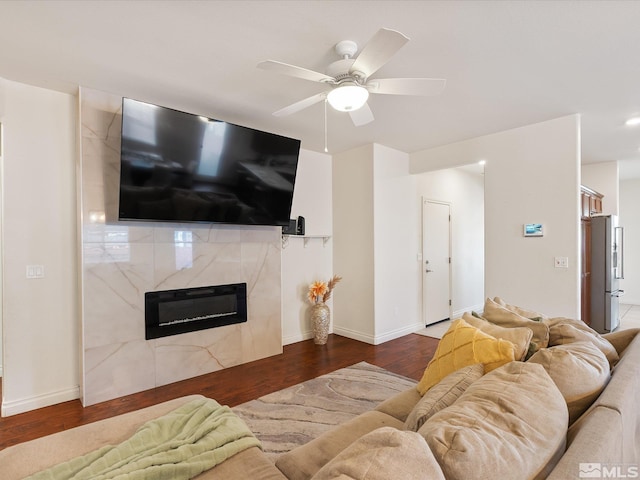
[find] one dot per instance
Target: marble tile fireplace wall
(120, 261)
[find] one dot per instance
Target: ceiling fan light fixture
(347, 98)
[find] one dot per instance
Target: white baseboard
(27, 404)
(362, 337)
(400, 332)
(630, 301)
(377, 339)
(474, 308)
(354, 335)
(289, 339)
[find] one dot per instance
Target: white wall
(630, 220)
(375, 244)
(531, 175)
(41, 354)
(603, 178)
(465, 192)
(352, 180)
(306, 261)
(396, 245)
(1, 201)
(39, 228)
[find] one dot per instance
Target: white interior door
(436, 261)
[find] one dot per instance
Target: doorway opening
(461, 191)
(436, 256)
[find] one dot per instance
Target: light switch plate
(561, 262)
(35, 271)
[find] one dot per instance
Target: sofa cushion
(400, 405)
(621, 339)
(530, 314)
(567, 330)
(464, 345)
(598, 443)
(513, 419)
(383, 454)
(519, 336)
(580, 370)
(504, 317)
(621, 395)
(579, 324)
(304, 461)
(251, 463)
(28, 458)
(22, 460)
(443, 394)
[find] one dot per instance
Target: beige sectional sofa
(608, 433)
(513, 422)
(25, 459)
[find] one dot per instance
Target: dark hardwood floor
(301, 361)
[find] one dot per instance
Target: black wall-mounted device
(291, 228)
(300, 229)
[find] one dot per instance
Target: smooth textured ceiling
(507, 63)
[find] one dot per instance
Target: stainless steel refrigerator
(607, 268)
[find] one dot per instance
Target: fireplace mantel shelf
(306, 239)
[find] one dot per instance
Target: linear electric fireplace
(172, 312)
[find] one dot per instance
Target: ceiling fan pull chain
(326, 149)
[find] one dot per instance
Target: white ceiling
(507, 63)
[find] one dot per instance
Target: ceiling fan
(349, 78)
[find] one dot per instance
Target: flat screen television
(180, 167)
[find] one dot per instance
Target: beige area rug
(291, 417)
(437, 330)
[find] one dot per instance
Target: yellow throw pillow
(464, 345)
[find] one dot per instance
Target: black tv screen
(180, 167)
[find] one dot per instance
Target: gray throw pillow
(443, 394)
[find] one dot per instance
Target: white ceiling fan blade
(362, 116)
(294, 71)
(407, 86)
(301, 105)
(378, 51)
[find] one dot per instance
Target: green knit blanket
(180, 445)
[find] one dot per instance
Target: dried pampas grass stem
(330, 286)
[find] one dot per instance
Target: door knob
(427, 270)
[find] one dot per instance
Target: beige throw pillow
(579, 324)
(383, 454)
(580, 371)
(442, 395)
(511, 423)
(519, 336)
(530, 314)
(500, 315)
(567, 330)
